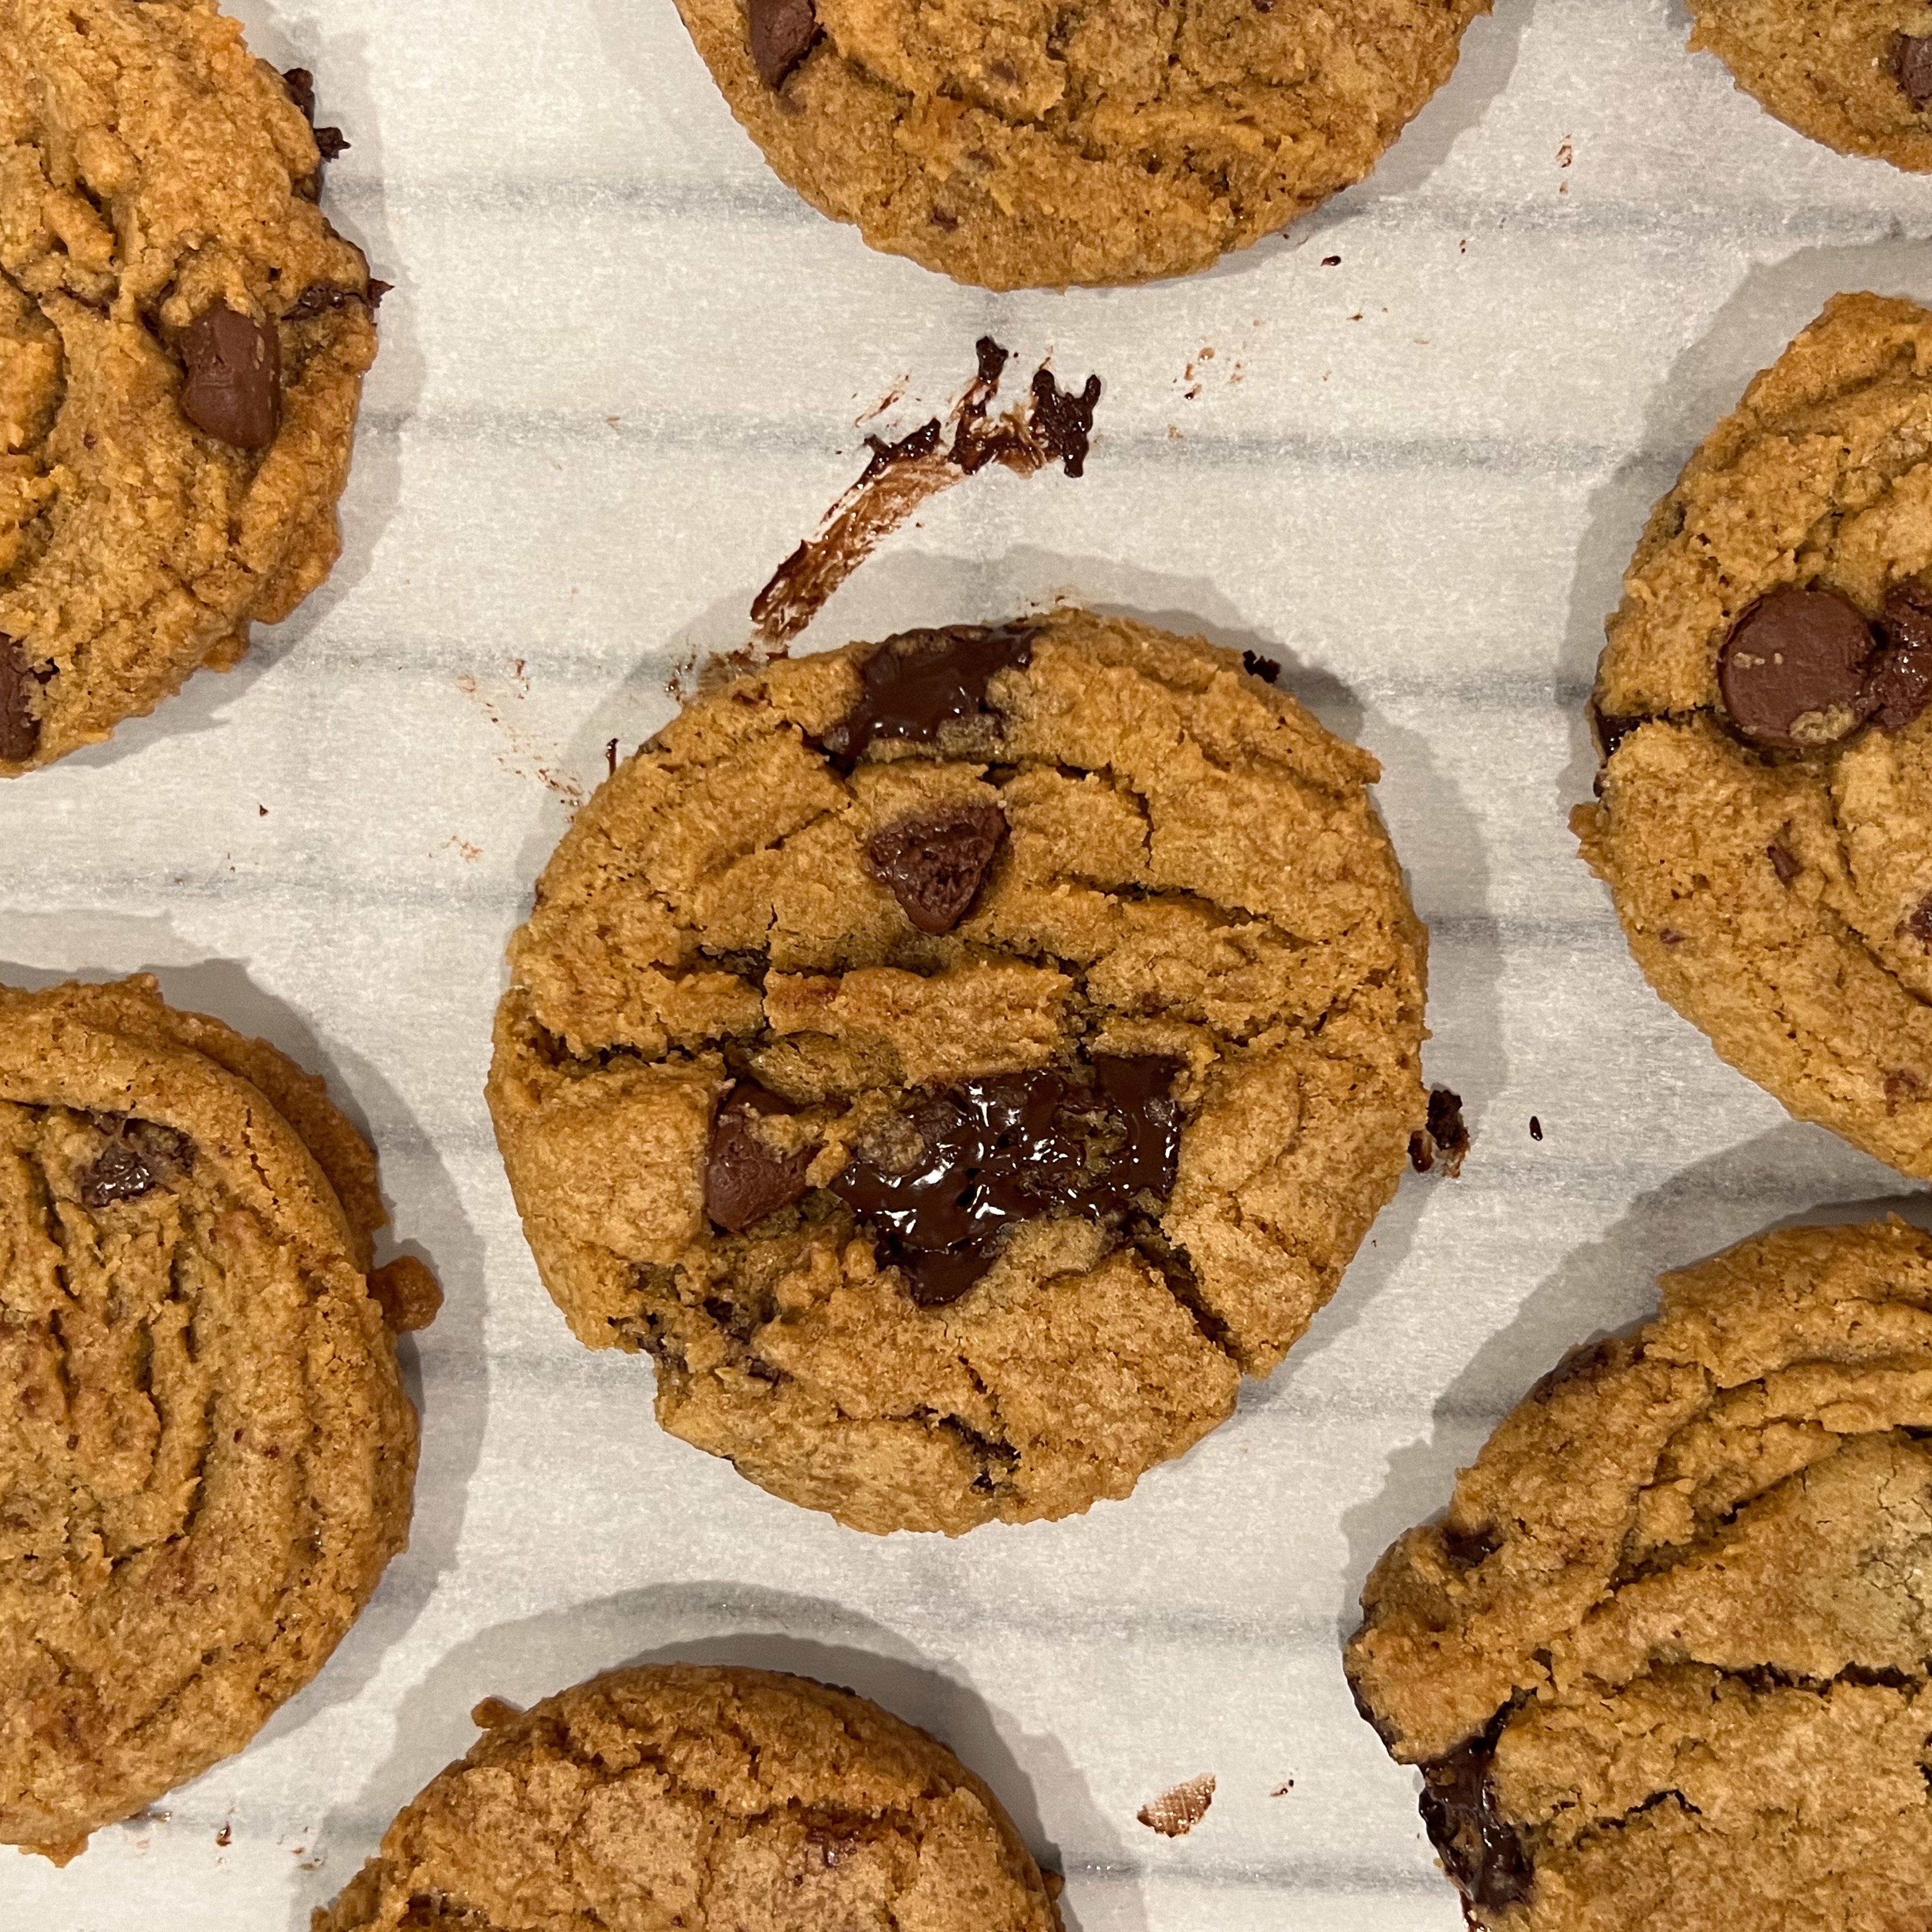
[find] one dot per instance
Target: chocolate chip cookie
(712, 1800)
(182, 342)
(206, 1456)
(1665, 1661)
(1044, 143)
(1765, 812)
(957, 1060)
(1855, 74)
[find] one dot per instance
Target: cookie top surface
(1765, 812)
(1042, 144)
(1855, 74)
(182, 340)
(957, 1059)
(713, 1799)
(1665, 1661)
(205, 1455)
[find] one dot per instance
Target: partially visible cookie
(206, 1457)
(1765, 812)
(712, 1800)
(1855, 74)
(1051, 141)
(958, 1059)
(182, 342)
(1665, 1663)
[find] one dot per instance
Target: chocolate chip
(914, 683)
(782, 31)
(1912, 62)
(1918, 923)
(1445, 1137)
(1483, 1855)
(1792, 674)
(234, 378)
(1013, 1148)
(935, 862)
(117, 1173)
(301, 84)
(747, 1178)
(20, 726)
(1255, 665)
(1469, 1548)
(1786, 867)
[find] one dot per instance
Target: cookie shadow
(355, 200)
(448, 1356)
(728, 1624)
(1609, 1286)
(1706, 382)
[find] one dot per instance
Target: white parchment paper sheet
(618, 381)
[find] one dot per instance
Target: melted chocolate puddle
(1052, 425)
(1013, 1148)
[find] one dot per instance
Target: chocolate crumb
(610, 757)
(1266, 669)
(301, 84)
(1919, 921)
(1669, 935)
(1782, 862)
(1535, 1128)
(1912, 63)
(1445, 1138)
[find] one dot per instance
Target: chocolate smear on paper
(1051, 425)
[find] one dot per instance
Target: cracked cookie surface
(1665, 1661)
(714, 1799)
(1035, 144)
(1765, 819)
(930, 1225)
(206, 1457)
(182, 342)
(1855, 74)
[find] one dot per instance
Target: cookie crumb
(408, 1294)
(225, 1837)
(1176, 1813)
(493, 1713)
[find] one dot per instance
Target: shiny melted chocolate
(1013, 1147)
(915, 682)
(1480, 1850)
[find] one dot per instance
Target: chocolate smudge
(1444, 1139)
(917, 682)
(1052, 425)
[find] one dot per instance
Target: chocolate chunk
(1912, 62)
(330, 143)
(1469, 1548)
(1899, 683)
(1064, 421)
(1918, 923)
(1445, 1137)
(782, 31)
(19, 727)
(1792, 674)
(301, 84)
(747, 1178)
(935, 862)
(1013, 1148)
(914, 683)
(1255, 665)
(1482, 1853)
(233, 389)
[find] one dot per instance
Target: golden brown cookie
(1855, 74)
(182, 342)
(957, 1060)
(1765, 812)
(1665, 1663)
(205, 1456)
(1041, 143)
(706, 1799)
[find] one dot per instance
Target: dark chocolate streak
(1014, 1147)
(914, 683)
(1479, 1850)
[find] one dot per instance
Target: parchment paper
(619, 382)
